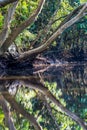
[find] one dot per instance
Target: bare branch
(35, 84)
(71, 15)
(56, 34)
(45, 31)
(62, 17)
(46, 28)
(20, 110)
(47, 93)
(16, 31)
(5, 2)
(7, 21)
(7, 113)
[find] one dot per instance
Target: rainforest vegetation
(39, 42)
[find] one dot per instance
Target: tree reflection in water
(57, 92)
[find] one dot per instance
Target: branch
(71, 15)
(20, 110)
(16, 31)
(52, 21)
(7, 21)
(62, 17)
(45, 31)
(47, 93)
(43, 99)
(46, 28)
(32, 83)
(6, 2)
(7, 113)
(56, 34)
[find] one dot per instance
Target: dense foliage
(70, 44)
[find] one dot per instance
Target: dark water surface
(70, 80)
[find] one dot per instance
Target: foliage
(24, 10)
(1, 20)
(64, 9)
(83, 1)
(36, 106)
(1, 119)
(24, 39)
(71, 41)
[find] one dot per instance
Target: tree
(7, 41)
(47, 35)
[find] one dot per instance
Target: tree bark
(16, 31)
(48, 94)
(7, 114)
(56, 34)
(6, 2)
(20, 110)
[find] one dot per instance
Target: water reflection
(73, 83)
(69, 86)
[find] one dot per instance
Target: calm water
(70, 80)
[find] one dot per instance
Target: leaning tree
(16, 58)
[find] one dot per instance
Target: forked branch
(21, 111)
(34, 84)
(16, 31)
(56, 34)
(48, 94)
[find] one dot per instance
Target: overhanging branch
(48, 94)
(56, 34)
(20, 110)
(16, 31)
(35, 84)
